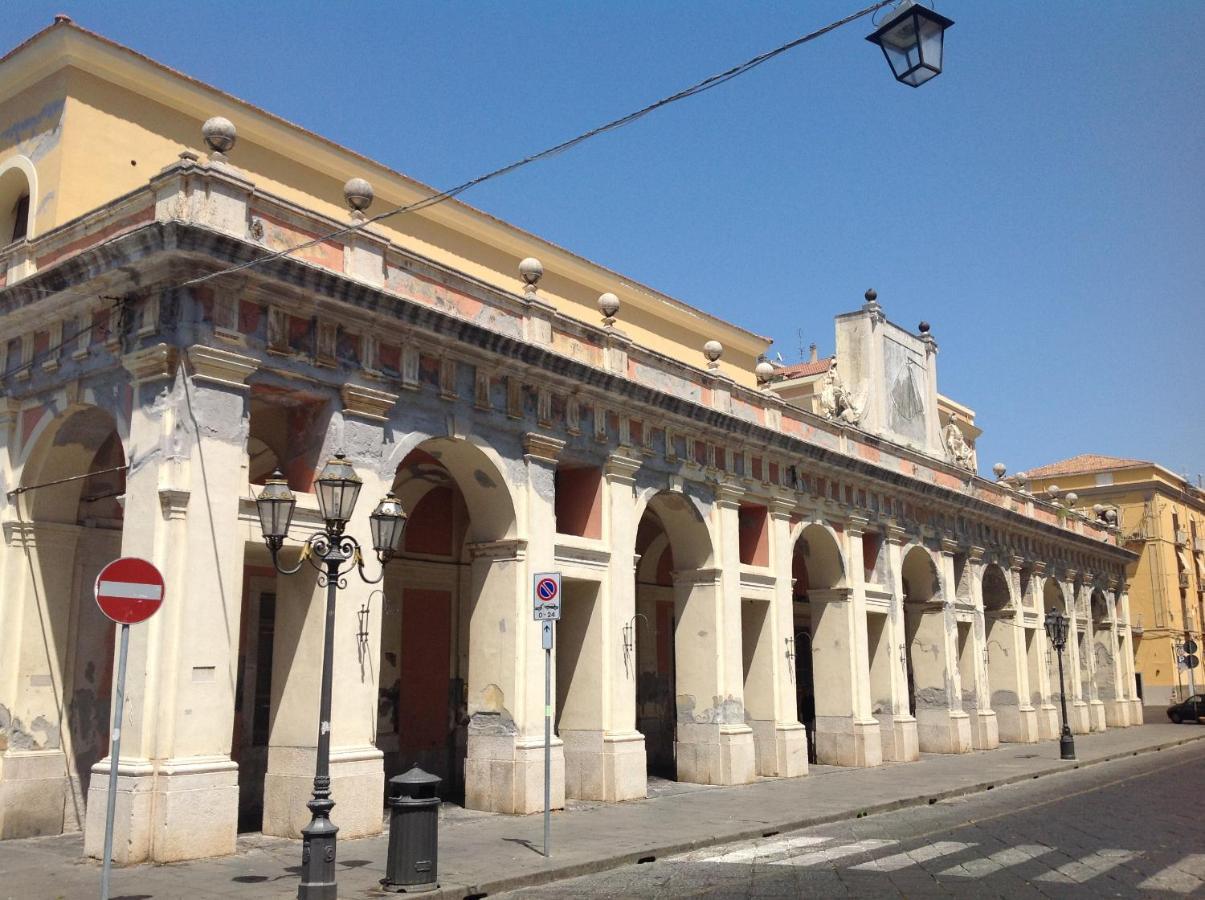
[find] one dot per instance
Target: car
(1191, 710)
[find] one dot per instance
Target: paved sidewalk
(482, 853)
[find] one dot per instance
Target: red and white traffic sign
(129, 590)
(546, 596)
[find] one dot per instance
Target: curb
(603, 864)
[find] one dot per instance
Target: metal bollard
(412, 864)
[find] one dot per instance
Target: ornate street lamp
(912, 40)
(333, 554)
(1056, 630)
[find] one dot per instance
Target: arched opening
(818, 573)
(1005, 649)
(672, 545)
(438, 655)
(60, 720)
(923, 637)
(15, 212)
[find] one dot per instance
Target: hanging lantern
(911, 39)
(387, 523)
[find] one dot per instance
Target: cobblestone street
(1123, 830)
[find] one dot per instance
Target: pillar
(900, 740)
(790, 754)
(847, 734)
(1043, 661)
(504, 768)
(177, 785)
(608, 763)
(1076, 665)
(712, 742)
(1008, 665)
(976, 695)
(942, 725)
(1112, 679)
(357, 768)
(1097, 719)
(1127, 656)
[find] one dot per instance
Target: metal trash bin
(412, 865)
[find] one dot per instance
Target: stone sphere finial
(713, 350)
(608, 305)
(358, 194)
(871, 295)
(531, 270)
(219, 133)
(1071, 498)
(924, 327)
(764, 371)
(999, 469)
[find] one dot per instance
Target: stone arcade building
(736, 563)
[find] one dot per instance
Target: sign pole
(547, 642)
(114, 756)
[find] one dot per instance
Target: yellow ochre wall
(115, 139)
(1156, 599)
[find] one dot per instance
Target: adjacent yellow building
(1161, 516)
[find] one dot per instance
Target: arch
(18, 179)
(818, 559)
(1052, 597)
(996, 592)
(1099, 607)
(684, 526)
(477, 473)
(921, 581)
(81, 440)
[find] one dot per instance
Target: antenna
(799, 334)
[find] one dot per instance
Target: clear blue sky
(1041, 203)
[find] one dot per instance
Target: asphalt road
(1131, 828)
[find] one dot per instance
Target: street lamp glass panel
(912, 40)
(387, 523)
(338, 487)
(275, 504)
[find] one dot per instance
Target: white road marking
(829, 854)
(912, 857)
(1013, 856)
(1179, 878)
(1090, 866)
(770, 848)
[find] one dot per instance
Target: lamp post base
(318, 855)
(1066, 744)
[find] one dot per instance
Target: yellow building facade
(1161, 517)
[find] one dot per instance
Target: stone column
(38, 795)
(609, 764)
(897, 724)
(1077, 701)
(504, 769)
(1097, 719)
(177, 786)
(985, 732)
(1008, 665)
(1110, 677)
(942, 726)
(846, 732)
(1127, 656)
(712, 742)
(790, 757)
(356, 765)
(1043, 662)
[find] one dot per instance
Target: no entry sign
(129, 590)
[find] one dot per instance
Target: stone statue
(958, 451)
(836, 402)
